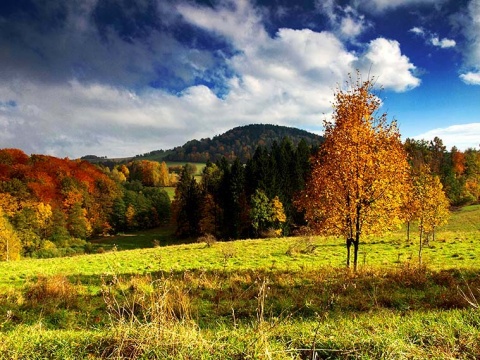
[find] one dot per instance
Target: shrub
(208, 239)
(51, 292)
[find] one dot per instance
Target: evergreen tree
(186, 205)
(234, 201)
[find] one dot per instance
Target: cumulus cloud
(346, 22)
(462, 136)
(443, 43)
(129, 90)
(433, 39)
(471, 78)
(470, 23)
(384, 60)
(385, 5)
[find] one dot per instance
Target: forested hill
(239, 142)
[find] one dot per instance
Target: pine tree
(186, 205)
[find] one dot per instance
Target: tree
(278, 214)
(164, 175)
(186, 205)
(360, 175)
(211, 212)
(77, 223)
(431, 205)
(233, 200)
(10, 245)
(260, 212)
(266, 214)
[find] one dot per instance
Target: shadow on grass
(161, 236)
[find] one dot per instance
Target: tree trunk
(420, 249)
(408, 230)
(349, 245)
(356, 242)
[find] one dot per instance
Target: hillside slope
(238, 142)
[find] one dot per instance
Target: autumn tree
(266, 213)
(10, 245)
(360, 175)
(211, 211)
(432, 206)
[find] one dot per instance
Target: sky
(119, 78)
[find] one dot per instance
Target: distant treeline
(239, 143)
(49, 206)
(235, 200)
(459, 171)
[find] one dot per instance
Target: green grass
(386, 335)
(286, 298)
(161, 236)
(199, 166)
(170, 191)
(451, 250)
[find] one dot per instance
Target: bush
(208, 239)
(51, 292)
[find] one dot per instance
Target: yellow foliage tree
(360, 176)
(10, 246)
(278, 214)
(9, 204)
(431, 204)
(43, 214)
(130, 217)
(164, 176)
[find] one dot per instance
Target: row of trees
(49, 206)
(459, 172)
(362, 180)
(235, 201)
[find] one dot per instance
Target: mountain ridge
(239, 142)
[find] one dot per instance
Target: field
(198, 175)
(286, 298)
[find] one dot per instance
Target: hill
(238, 142)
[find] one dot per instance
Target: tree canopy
(360, 176)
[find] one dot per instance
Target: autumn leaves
(361, 180)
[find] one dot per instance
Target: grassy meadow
(285, 298)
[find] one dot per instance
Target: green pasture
(280, 298)
(296, 254)
(170, 191)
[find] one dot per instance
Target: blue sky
(122, 77)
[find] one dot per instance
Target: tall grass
(258, 299)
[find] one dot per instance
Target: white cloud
(471, 78)
(346, 22)
(393, 70)
(443, 43)
(417, 30)
(384, 5)
(286, 79)
(236, 20)
(462, 136)
(433, 39)
(470, 22)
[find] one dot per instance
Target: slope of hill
(238, 142)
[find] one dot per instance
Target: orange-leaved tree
(360, 176)
(432, 205)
